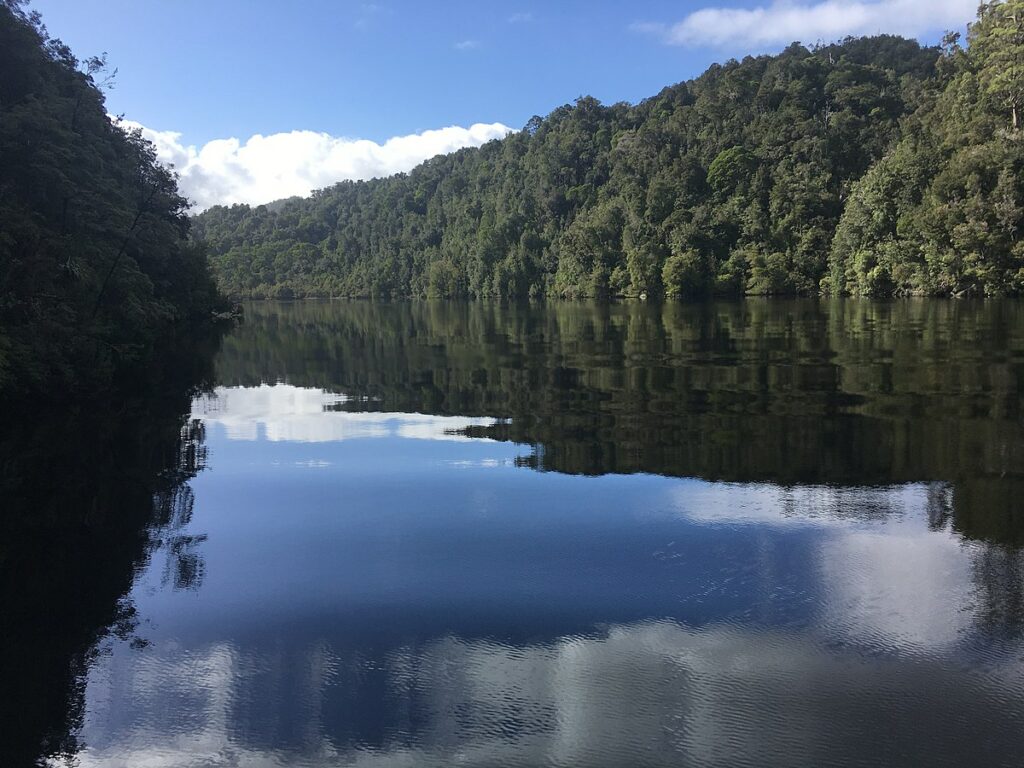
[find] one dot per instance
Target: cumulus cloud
(467, 45)
(266, 168)
(785, 21)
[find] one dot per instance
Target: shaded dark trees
(95, 259)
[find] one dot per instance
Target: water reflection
(284, 412)
(91, 493)
(770, 533)
(786, 392)
(649, 693)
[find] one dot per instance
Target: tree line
(873, 166)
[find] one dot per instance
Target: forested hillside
(96, 267)
(943, 211)
(732, 183)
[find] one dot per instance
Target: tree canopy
(942, 211)
(96, 264)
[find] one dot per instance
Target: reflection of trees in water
(789, 393)
(172, 510)
(986, 513)
(939, 506)
(998, 572)
(183, 565)
(90, 491)
(794, 393)
(840, 392)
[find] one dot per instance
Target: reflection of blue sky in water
(375, 598)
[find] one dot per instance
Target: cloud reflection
(281, 412)
(651, 693)
(819, 505)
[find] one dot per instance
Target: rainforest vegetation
(873, 166)
(96, 265)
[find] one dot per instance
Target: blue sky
(197, 71)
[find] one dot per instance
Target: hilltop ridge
(872, 166)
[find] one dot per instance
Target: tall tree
(997, 45)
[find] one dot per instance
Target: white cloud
(266, 168)
(467, 45)
(786, 21)
(520, 18)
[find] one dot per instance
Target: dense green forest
(873, 166)
(96, 266)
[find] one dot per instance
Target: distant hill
(872, 166)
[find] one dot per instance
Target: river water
(769, 533)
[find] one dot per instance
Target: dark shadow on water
(90, 490)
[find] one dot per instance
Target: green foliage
(997, 48)
(731, 168)
(741, 173)
(444, 279)
(770, 274)
(943, 211)
(684, 275)
(96, 262)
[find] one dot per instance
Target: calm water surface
(771, 533)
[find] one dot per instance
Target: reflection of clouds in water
(477, 463)
(207, 681)
(898, 589)
(282, 412)
(819, 505)
(651, 693)
(898, 585)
